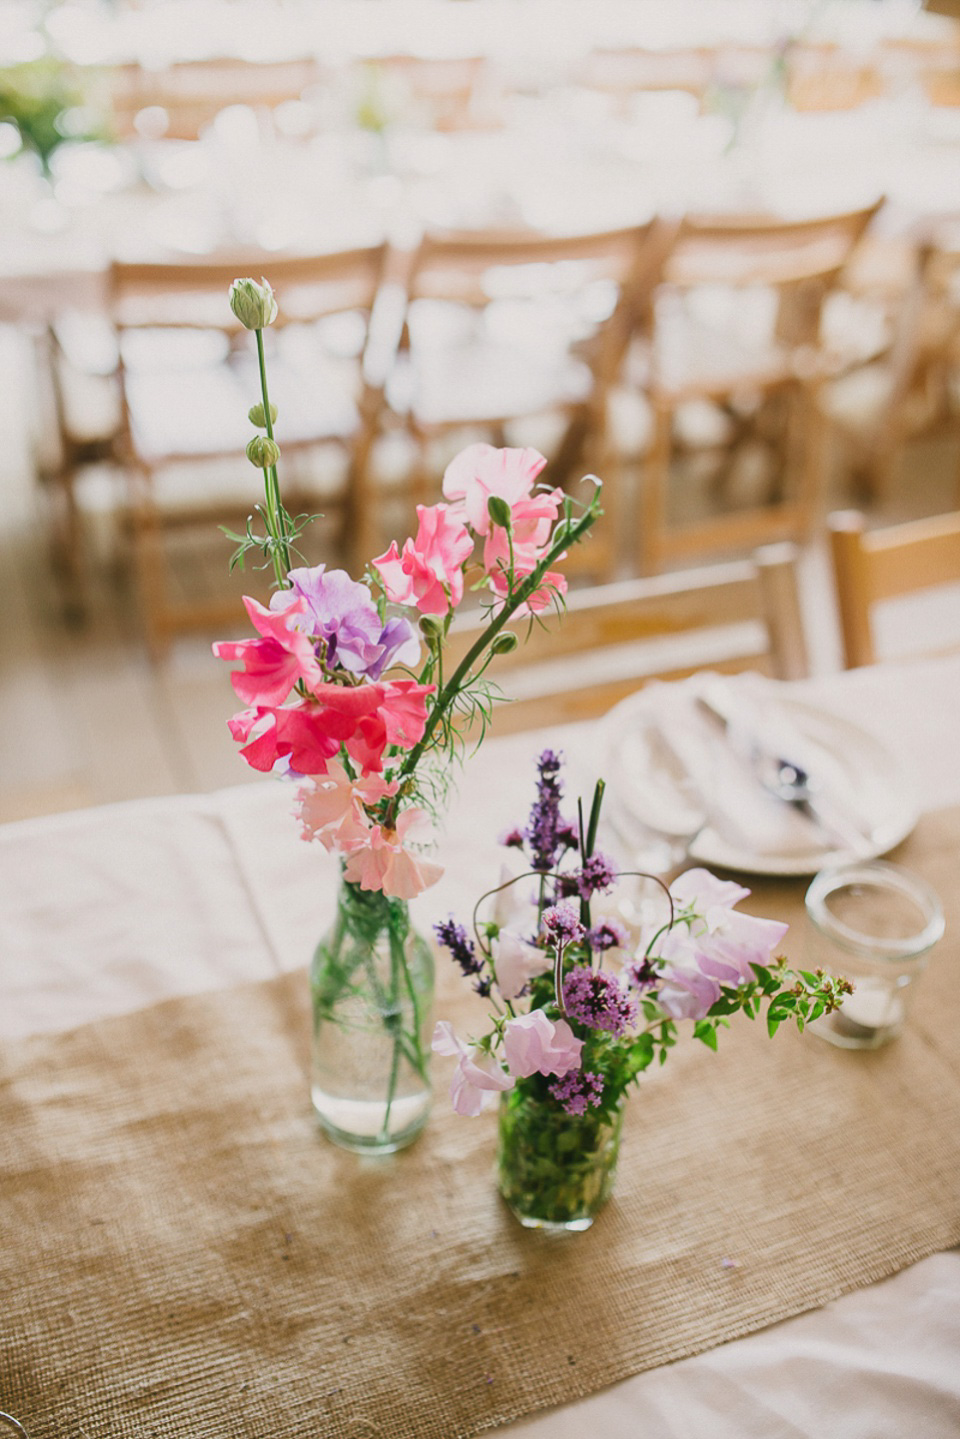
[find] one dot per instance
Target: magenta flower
(534, 1044)
(364, 718)
(273, 664)
(340, 611)
(478, 1076)
(429, 572)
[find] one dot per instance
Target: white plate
(884, 794)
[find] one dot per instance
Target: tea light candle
(869, 1011)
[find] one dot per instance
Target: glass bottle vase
(371, 986)
(556, 1170)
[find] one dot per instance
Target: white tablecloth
(102, 911)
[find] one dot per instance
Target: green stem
(280, 551)
(396, 963)
(571, 536)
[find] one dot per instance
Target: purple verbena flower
(562, 926)
(568, 885)
(454, 937)
(578, 1089)
(595, 998)
(607, 934)
(643, 973)
(597, 875)
(341, 612)
(513, 838)
(545, 820)
(568, 835)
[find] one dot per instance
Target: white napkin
(674, 769)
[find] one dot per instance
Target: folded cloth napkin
(679, 770)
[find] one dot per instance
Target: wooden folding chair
(777, 273)
(189, 375)
(502, 328)
(611, 639)
(875, 409)
(873, 566)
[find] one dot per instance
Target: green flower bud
(263, 452)
(254, 305)
(256, 417)
(431, 628)
(505, 641)
(499, 512)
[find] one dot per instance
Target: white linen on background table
(213, 890)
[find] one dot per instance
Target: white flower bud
(254, 305)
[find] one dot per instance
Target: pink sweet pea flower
(480, 471)
(534, 1044)
(429, 572)
(516, 962)
(331, 807)
(298, 735)
(273, 663)
(553, 583)
(478, 1076)
(382, 863)
(531, 522)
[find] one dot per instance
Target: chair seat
(485, 383)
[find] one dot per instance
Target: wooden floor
(86, 718)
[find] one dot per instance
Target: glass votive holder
(875, 924)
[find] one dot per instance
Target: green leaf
(705, 1031)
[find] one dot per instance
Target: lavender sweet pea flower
(341, 611)
(534, 1044)
(713, 946)
(478, 1076)
(517, 962)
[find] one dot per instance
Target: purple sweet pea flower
(341, 611)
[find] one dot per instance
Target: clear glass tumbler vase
(556, 1170)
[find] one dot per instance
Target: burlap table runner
(182, 1255)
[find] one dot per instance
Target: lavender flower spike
(543, 829)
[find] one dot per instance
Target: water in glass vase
(372, 992)
(555, 1170)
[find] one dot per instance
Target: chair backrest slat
(194, 292)
(870, 567)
